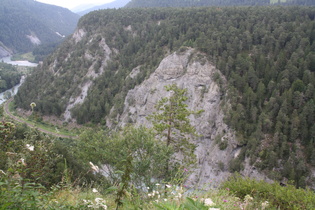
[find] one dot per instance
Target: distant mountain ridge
(203, 3)
(25, 24)
(111, 5)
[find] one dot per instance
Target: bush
(280, 197)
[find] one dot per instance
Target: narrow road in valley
(9, 114)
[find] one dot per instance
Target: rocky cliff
(190, 69)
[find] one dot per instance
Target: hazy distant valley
(27, 24)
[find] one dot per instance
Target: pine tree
(171, 122)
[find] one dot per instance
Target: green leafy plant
(287, 197)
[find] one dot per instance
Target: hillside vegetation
(267, 55)
(43, 172)
(27, 23)
(9, 77)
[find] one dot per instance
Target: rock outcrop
(91, 74)
(189, 69)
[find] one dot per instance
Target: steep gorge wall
(190, 69)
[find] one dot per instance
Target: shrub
(280, 197)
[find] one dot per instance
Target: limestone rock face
(189, 69)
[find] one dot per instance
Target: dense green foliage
(41, 172)
(267, 55)
(44, 164)
(207, 3)
(42, 51)
(279, 197)
(31, 163)
(19, 18)
(136, 148)
(9, 76)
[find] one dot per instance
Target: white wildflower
(103, 206)
(264, 205)
(98, 200)
(248, 198)
(213, 209)
(165, 199)
(94, 167)
(30, 147)
(87, 202)
(94, 190)
(157, 184)
(209, 202)
(149, 195)
(22, 161)
(168, 186)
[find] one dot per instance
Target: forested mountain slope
(205, 3)
(266, 54)
(27, 23)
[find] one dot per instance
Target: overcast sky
(73, 3)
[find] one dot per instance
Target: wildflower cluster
(165, 193)
(209, 202)
(96, 204)
(30, 147)
(154, 194)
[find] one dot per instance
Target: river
(19, 63)
(11, 92)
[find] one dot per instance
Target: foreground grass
(236, 193)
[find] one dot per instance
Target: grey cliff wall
(190, 69)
